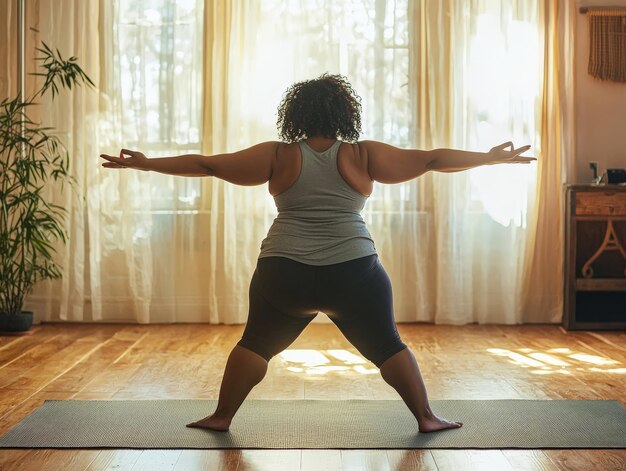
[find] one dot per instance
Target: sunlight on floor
(593, 359)
(611, 370)
(549, 363)
(305, 357)
(347, 357)
(321, 362)
(315, 363)
(551, 360)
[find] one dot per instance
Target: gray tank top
(319, 217)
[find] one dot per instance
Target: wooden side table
(595, 257)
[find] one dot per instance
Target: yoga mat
(321, 424)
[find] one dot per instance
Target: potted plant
(30, 157)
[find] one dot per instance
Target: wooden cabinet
(595, 257)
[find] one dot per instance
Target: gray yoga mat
(321, 424)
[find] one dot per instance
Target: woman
(318, 254)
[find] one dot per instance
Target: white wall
(600, 107)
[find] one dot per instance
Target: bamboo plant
(30, 157)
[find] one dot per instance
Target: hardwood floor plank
(409, 460)
(363, 460)
(92, 396)
(583, 460)
(12, 370)
(156, 460)
(616, 340)
(50, 359)
(607, 459)
(114, 460)
(489, 460)
(69, 460)
(86, 369)
(11, 459)
(453, 460)
(47, 459)
(269, 460)
(215, 460)
(10, 398)
(529, 460)
(14, 347)
(316, 460)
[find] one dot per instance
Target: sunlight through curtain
(431, 74)
(477, 72)
(121, 262)
(542, 295)
(366, 41)
(207, 76)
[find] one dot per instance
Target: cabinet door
(595, 260)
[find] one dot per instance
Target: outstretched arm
(452, 160)
(252, 166)
(389, 164)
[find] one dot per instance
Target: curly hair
(326, 106)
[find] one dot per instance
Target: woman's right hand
(135, 160)
(499, 154)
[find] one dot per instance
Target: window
(159, 55)
(501, 106)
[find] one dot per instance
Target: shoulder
(251, 166)
(287, 146)
(286, 151)
(356, 153)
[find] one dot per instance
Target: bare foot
(212, 423)
(434, 423)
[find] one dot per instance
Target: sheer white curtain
(132, 250)
(431, 74)
(237, 217)
(145, 264)
(296, 40)
(72, 27)
(478, 72)
(153, 248)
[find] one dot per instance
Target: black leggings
(286, 295)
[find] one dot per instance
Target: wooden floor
(82, 361)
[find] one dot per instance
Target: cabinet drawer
(599, 203)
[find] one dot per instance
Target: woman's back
(351, 164)
(319, 220)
